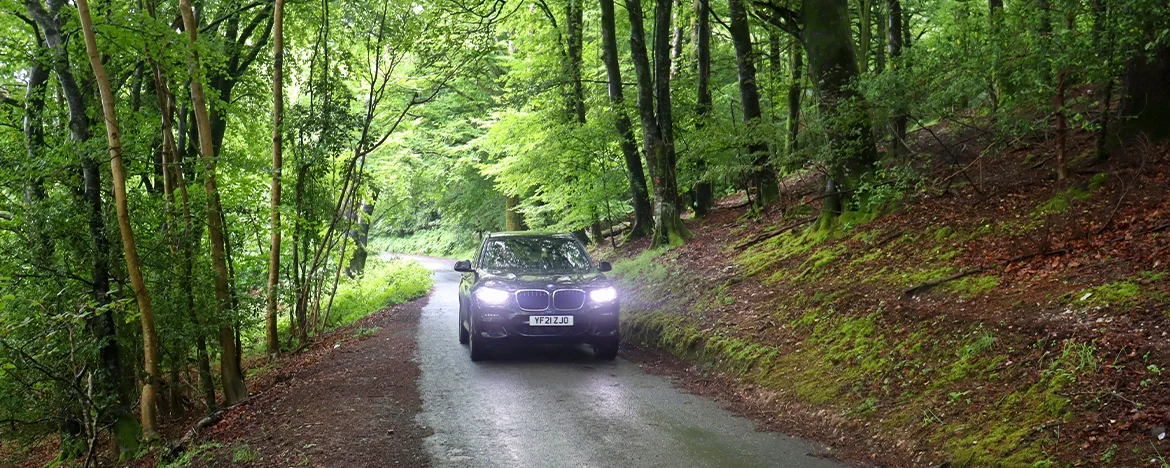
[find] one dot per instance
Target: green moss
(813, 267)
(1098, 181)
(1060, 203)
(971, 286)
(1122, 294)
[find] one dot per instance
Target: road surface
(560, 407)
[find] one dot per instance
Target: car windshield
(536, 254)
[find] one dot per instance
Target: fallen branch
(5, 216)
(965, 273)
(782, 230)
(1157, 228)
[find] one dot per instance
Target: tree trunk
(639, 194)
(832, 68)
(231, 376)
(704, 193)
(513, 218)
(34, 139)
(795, 90)
(102, 325)
(657, 130)
(864, 36)
(575, 25)
(763, 174)
(272, 341)
(894, 40)
(149, 419)
(361, 239)
(882, 36)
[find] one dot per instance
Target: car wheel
(607, 349)
(478, 347)
(463, 335)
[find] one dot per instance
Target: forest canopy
(187, 183)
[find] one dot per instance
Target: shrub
(384, 284)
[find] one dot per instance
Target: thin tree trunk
(704, 193)
(763, 174)
(894, 40)
(639, 194)
(795, 90)
(231, 376)
(865, 12)
(361, 238)
(1059, 107)
(149, 418)
(272, 341)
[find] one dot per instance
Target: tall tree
(864, 34)
(640, 198)
(657, 123)
(894, 42)
(231, 376)
(763, 173)
(704, 193)
(824, 27)
(272, 340)
(148, 404)
(102, 324)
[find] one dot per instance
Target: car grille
(568, 299)
(530, 299)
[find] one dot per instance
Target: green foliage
(441, 242)
(382, 285)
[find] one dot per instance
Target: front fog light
(607, 294)
(491, 296)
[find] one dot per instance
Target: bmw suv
(536, 288)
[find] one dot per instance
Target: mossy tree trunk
(704, 193)
(832, 68)
(639, 194)
(657, 124)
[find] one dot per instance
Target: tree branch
(785, 18)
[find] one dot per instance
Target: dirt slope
(350, 403)
(1047, 348)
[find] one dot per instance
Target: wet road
(559, 407)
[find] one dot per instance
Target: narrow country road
(560, 407)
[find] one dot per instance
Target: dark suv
(536, 288)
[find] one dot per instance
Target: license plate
(550, 320)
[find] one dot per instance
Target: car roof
(557, 235)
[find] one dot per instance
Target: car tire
(477, 347)
(463, 335)
(607, 350)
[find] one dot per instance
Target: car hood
(511, 280)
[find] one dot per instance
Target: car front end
(528, 311)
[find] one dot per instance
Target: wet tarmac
(560, 407)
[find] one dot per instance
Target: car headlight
(606, 294)
(491, 296)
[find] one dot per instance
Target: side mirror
(463, 266)
(604, 266)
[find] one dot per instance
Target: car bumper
(591, 324)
